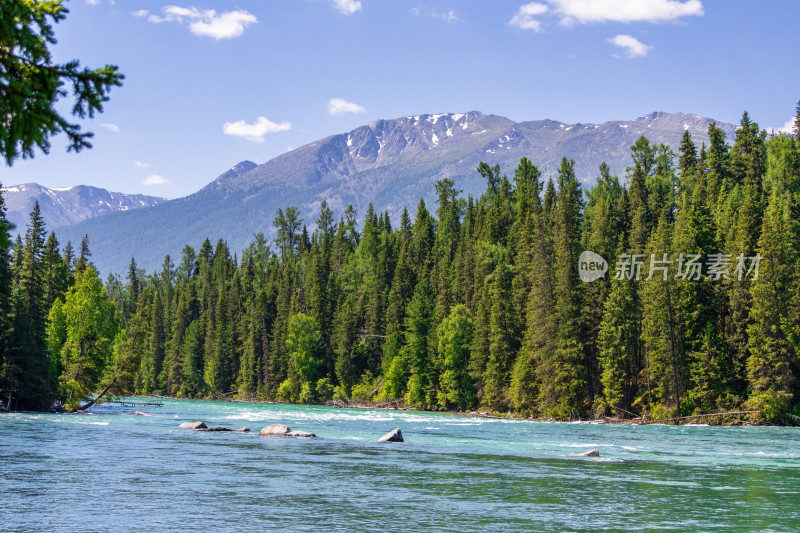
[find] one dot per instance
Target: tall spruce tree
(563, 384)
(772, 356)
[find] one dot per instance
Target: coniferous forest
(474, 303)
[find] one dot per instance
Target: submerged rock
(394, 435)
(590, 453)
(279, 430)
(220, 428)
(301, 434)
(193, 425)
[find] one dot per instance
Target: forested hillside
(469, 303)
(388, 163)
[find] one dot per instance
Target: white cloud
(254, 132)
(589, 11)
(632, 46)
(425, 11)
(92, 2)
(788, 127)
(571, 12)
(141, 164)
(110, 127)
(206, 23)
(340, 106)
(155, 179)
(523, 18)
(348, 7)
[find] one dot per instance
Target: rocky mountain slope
(391, 163)
(63, 206)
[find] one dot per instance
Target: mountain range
(390, 163)
(62, 206)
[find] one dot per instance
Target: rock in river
(590, 453)
(394, 435)
(193, 425)
(220, 428)
(279, 430)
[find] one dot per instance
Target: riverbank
(735, 418)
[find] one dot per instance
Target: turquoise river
(117, 471)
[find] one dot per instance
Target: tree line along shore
(476, 304)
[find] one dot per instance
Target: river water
(116, 471)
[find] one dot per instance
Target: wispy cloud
(340, 106)
(348, 7)
(154, 179)
(633, 47)
(256, 131)
(523, 18)
(110, 127)
(425, 11)
(141, 164)
(204, 22)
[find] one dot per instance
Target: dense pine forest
(474, 303)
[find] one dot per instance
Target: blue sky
(210, 83)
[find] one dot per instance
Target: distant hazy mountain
(391, 163)
(62, 206)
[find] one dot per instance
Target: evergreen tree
(28, 366)
(417, 350)
(772, 356)
(56, 272)
(618, 342)
(662, 370)
(502, 341)
(563, 384)
(796, 126)
(83, 260)
(533, 366)
(687, 162)
(6, 287)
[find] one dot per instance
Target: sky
(210, 83)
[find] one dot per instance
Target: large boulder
(590, 453)
(279, 430)
(394, 435)
(275, 430)
(193, 425)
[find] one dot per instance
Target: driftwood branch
(108, 387)
(378, 386)
(634, 415)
